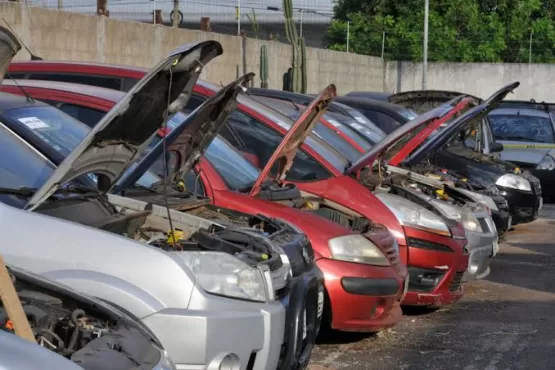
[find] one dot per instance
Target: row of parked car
(154, 220)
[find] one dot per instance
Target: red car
(360, 296)
(317, 171)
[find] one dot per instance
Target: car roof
(369, 103)
(12, 101)
(78, 63)
(89, 90)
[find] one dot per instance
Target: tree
(459, 30)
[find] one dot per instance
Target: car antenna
(33, 56)
(27, 96)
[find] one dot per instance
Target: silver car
(209, 309)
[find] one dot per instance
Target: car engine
(79, 331)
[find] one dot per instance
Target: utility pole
(60, 4)
(175, 13)
(348, 36)
(301, 22)
(238, 15)
(530, 51)
(425, 53)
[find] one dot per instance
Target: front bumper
(502, 216)
(481, 247)
(362, 298)
(547, 181)
(436, 267)
(212, 327)
(524, 206)
(304, 307)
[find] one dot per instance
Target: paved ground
(504, 322)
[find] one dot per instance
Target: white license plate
(495, 247)
(304, 325)
(541, 204)
(320, 304)
(510, 222)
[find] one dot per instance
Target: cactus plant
(298, 60)
(264, 67)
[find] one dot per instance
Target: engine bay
(80, 330)
(202, 227)
(289, 195)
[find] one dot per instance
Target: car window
(522, 128)
(88, 116)
(384, 121)
(20, 165)
(50, 126)
(353, 130)
(262, 141)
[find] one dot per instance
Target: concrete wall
(70, 36)
(480, 79)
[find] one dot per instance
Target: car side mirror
(496, 148)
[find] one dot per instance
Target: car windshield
(408, 113)
(522, 127)
(54, 128)
(20, 165)
(294, 111)
(353, 130)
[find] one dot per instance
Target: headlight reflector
(546, 163)
(223, 274)
(413, 215)
(510, 180)
(461, 214)
(356, 248)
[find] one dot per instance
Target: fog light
(225, 361)
(472, 269)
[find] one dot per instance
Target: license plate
(541, 204)
(495, 247)
(510, 222)
(320, 304)
(304, 325)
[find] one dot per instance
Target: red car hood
(295, 137)
(440, 115)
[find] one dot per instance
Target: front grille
(457, 282)
(484, 224)
(424, 244)
(275, 264)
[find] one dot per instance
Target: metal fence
(257, 18)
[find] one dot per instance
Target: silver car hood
(100, 263)
(9, 47)
(126, 130)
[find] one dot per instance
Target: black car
(375, 95)
(466, 147)
(527, 131)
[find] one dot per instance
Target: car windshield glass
(352, 129)
(20, 165)
(522, 127)
(408, 113)
(53, 127)
(294, 111)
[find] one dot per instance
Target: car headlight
(460, 214)
(480, 198)
(223, 274)
(547, 163)
(165, 363)
(413, 215)
(356, 248)
(510, 180)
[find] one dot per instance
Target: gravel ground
(506, 321)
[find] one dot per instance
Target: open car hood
(287, 149)
(190, 139)
(9, 47)
(126, 130)
(475, 114)
(445, 111)
(423, 100)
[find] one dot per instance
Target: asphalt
(506, 321)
